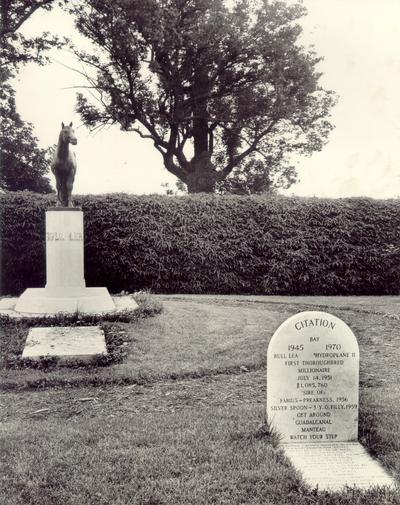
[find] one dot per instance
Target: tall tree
(208, 84)
(17, 49)
(23, 164)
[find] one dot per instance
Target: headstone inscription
(315, 358)
(312, 402)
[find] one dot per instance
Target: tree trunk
(202, 175)
(200, 118)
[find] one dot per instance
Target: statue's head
(68, 134)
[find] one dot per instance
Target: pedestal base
(70, 300)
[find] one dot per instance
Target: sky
(360, 43)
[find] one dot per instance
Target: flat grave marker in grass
(65, 343)
(312, 402)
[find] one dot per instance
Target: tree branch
(24, 17)
(222, 174)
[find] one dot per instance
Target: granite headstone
(312, 402)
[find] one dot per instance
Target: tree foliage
(24, 164)
(208, 84)
(254, 176)
(17, 49)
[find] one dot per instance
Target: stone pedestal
(64, 248)
(65, 289)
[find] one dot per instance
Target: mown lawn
(181, 419)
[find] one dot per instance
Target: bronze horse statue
(63, 166)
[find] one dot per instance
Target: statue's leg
(70, 184)
(59, 193)
(63, 191)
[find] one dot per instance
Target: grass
(13, 334)
(196, 338)
(181, 419)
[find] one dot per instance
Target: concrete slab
(70, 300)
(8, 303)
(121, 304)
(333, 466)
(65, 342)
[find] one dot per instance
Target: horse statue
(63, 166)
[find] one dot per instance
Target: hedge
(215, 244)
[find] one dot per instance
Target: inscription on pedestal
(312, 379)
(72, 236)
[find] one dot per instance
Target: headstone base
(65, 343)
(333, 466)
(70, 300)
